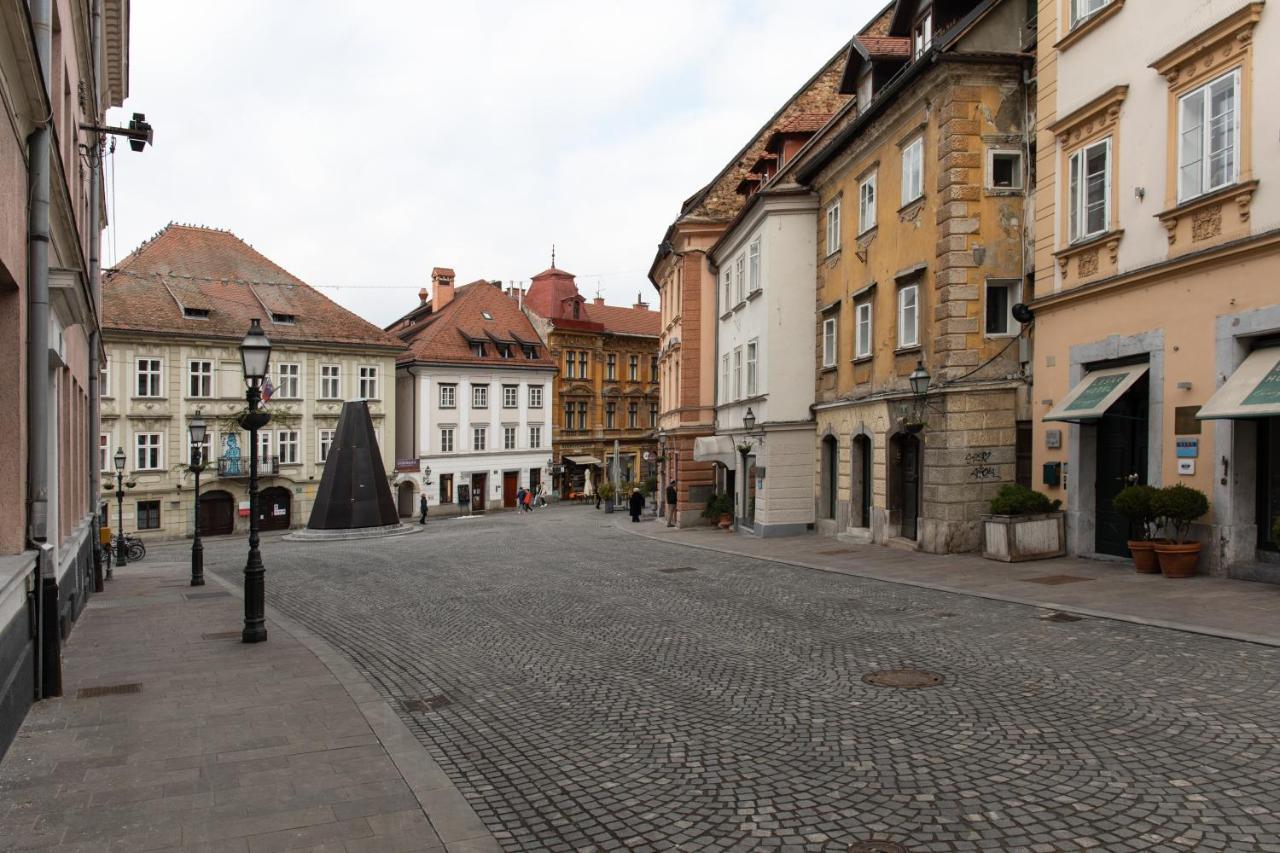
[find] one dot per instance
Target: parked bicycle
(134, 547)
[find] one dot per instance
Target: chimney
(422, 296)
(599, 300)
(640, 303)
(441, 287)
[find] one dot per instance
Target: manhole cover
(877, 847)
(905, 678)
(1056, 580)
(678, 569)
(1060, 617)
(192, 596)
(107, 690)
(430, 703)
(221, 635)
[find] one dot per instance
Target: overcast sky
(359, 150)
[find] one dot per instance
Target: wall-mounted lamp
(1140, 193)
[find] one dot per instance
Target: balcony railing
(238, 466)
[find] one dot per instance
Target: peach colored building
(1157, 311)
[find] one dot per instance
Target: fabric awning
(583, 460)
(1253, 391)
(715, 448)
(1096, 393)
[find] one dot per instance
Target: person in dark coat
(672, 497)
(422, 508)
(637, 504)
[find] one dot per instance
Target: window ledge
(726, 315)
(913, 348)
(1205, 224)
(912, 207)
(867, 235)
(1088, 257)
(864, 359)
(830, 368)
(755, 293)
(1106, 237)
(1004, 192)
(1088, 25)
(831, 257)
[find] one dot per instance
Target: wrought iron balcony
(238, 466)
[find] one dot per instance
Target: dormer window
(477, 349)
(577, 311)
(922, 35)
(283, 319)
(530, 352)
(504, 350)
(195, 313)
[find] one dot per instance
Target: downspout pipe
(38, 427)
(95, 294)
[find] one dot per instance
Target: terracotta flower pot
(726, 521)
(1144, 556)
(1178, 560)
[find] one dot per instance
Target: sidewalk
(222, 746)
(1241, 610)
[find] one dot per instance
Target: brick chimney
(441, 287)
(640, 303)
(599, 300)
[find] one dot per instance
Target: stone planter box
(1014, 538)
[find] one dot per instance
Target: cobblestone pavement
(598, 700)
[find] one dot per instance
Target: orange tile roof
(446, 335)
(886, 47)
(804, 123)
(211, 270)
(626, 321)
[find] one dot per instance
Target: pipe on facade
(95, 294)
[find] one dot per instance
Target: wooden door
(217, 513)
(910, 471)
(275, 508)
(510, 483)
(479, 491)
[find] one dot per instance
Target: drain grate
(1056, 580)
(1061, 617)
(877, 847)
(192, 596)
(907, 679)
(430, 703)
(220, 635)
(108, 690)
(678, 569)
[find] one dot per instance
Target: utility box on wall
(1052, 474)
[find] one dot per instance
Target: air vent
(108, 690)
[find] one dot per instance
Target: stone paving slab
(225, 746)
(1218, 607)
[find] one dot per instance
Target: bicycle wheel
(137, 551)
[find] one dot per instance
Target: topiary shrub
(1134, 503)
(606, 491)
(1019, 500)
(718, 505)
(1178, 506)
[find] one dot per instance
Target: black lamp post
(255, 358)
(197, 430)
(122, 549)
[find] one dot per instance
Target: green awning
(1097, 392)
(1253, 391)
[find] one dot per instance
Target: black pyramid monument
(354, 491)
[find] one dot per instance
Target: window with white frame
(205, 446)
(330, 382)
(611, 367)
(1089, 183)
(148, 378)
(726, 301)
(1002, 295)
(288, 384)
(633, 415)
(922, 35)
(862, 330)
(568, 415)
(479, 436)
(610, 415)
(1004, 169)
(535, 396)
(753, 266)
(753, 381)
(264, 446)
(147, 456)
(737, 373)
(908, 316)
(653, 414)
(104, 380)
(509, 438)
(740, 276)
(582, 414)
(867, 204)
(200, 378)
(829, 342)
(510, 396)
(833, 227)
(446, 439)
(287, 446)
(368, 383)
(913, 170)
(324, 441)
(724, 379)
(479, 396)
(569, 365)
(449, 396)
(1209, 137)
(104, 452)
(535, 437)
(582, 365)
(633, 368)
(1083, 10)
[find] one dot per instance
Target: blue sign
(1188, 448)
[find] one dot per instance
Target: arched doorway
(829, 479)
(404, 499)
(904, 483)
(274, 508)
(217, 513)
(860, 482)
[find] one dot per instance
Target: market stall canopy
(715, 448)
(583, 460)
(1253, 391)
(1097, 392)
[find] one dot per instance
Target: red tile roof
(626, 321)
(446, 335)
(804, 123)
(553, 291)
(207, 269)
(886, 47)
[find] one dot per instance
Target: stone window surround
(1085, 26)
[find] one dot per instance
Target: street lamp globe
(255, 354)
(118, 459)
(198, 430)
(749, 420)
(919, 380)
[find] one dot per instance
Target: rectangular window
(330, 382)
(323, 443)
(653, 368)
(1083, 10)
(264, 446)
(610, 413)
(148, 378)
(633, 415)
(368, 383)
(922, 35)
(148, 515)
(479, 396)
(1208, 137)
(752, 377)
(200, 379)
(740, 276)
(913, 170)
(446, 439)
(535, 396)
(104, 452)
(867, 204)
(633, 368)
(909, 316)
(509, 438)
(582, 365)
(147, 456)
(568, 415)
(209, 442)
(446, 488)
(726, 301)
(833, 227)
(1001, 297)
(104, 380)
(478, 438)
(289, 375)
(862, 330)
(653, 414)
(829, 342)
(510, 396)
(569, 365)
(535, 437)
(1090, 191)
(477, 349)
(737, 373)
(287, 446)
(611, 367)
(582, 416)
(753, 266)
(1004, 170)
(724, 379)
(448, 396)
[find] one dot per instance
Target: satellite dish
(1022, 313)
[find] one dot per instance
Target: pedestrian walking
(422, 508)
(671, 503)
(541, 499)
(637, 504)
(520, 498)
(528, 500)
(598, 498)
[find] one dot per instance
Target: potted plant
(1134, 503)
(606, 495)
(1023, 525)
(1178, 506)
(720, 508)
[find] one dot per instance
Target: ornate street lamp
(749, 420)
(198, 432)
(122, 548)
(919, 380)
(255, 359)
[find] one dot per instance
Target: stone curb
(446, 809)
(1114, 615)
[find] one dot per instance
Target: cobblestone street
(590, 689)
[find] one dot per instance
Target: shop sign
(1187, 448)
(1096, 392)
